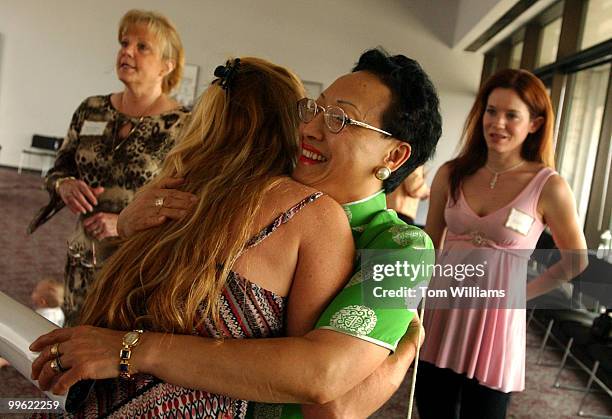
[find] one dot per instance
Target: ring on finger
(55, 350)
(54, 366)
(59, 364)
(159, 202)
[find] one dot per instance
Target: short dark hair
(413, 115)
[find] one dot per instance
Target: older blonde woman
(115, 144)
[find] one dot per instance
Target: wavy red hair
(538, 146)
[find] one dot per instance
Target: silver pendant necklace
(496, 174)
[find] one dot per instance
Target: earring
(382, 173)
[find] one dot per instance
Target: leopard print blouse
(93, 153)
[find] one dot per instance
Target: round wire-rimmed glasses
(334, 116)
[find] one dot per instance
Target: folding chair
(44, 147)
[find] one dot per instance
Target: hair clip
(226, 73)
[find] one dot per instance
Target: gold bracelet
(59, 182)
(130, 340)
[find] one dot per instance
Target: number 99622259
(31, 405)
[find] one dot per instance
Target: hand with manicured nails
(79, 196)
(143, 212)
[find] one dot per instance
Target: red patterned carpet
(26, 259)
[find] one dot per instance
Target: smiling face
(506, 122)
(139, 60)
(343, 164)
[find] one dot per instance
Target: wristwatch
(130, 341)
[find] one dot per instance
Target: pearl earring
(382, 173)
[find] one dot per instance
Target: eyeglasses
(335, 118)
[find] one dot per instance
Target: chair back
(596, 281)
(46, 143)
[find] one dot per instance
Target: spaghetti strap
(281, 219)
(538, 184)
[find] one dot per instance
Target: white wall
(458, 23)
(476, 16)
(439, 16)
(55, 53)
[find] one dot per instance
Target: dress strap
(538, 184)
(281, 219)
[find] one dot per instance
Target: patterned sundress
(246, 311)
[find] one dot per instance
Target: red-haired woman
(499, 193)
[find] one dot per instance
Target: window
(549, 43)
(598, 23)
(517, 53)
(567, 45)
(579, 137)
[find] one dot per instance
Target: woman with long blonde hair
(194, 276)
(238, 147)
(364, 134)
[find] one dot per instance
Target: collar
(361, 212)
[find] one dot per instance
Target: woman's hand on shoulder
(78, 196)
(85, 352)
(154, 205)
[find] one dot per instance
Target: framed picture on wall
(185, 94)
(313, 88)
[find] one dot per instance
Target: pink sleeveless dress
(486, 343)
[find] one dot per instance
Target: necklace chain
(134, 126)
(497, 173)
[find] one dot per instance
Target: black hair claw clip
(226, 73)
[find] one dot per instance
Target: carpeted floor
(26, 259)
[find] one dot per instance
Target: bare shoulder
(114, 99)
(287, 193)
(440, 183)
(443, 174)
(320, 223)
(558, 207)
(444, 170)
(557, 200)
(556, 191)
(325, 210)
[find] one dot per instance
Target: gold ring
(59, 365)
(54, 366)
(55, 349)
(159, 202)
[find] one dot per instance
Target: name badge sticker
(93, 128)
(519, 221)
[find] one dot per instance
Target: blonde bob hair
(238, 144)
(168, 39)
